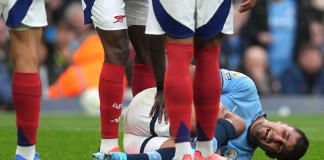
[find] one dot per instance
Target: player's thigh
(21, 15)
(213, 17)
(24, 48)
(176, 18)
(136, 12)
(134, 144)
(140, 42)
(106, 15)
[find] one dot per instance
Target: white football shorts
(136, 12)
(23, 13)
(134, 144)
(183, 19)
(116, 14)
(142, 132)
(104, 14)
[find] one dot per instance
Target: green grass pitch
(75, 137)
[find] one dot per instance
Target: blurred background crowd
(279, 44)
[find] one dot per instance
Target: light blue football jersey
(239, 95)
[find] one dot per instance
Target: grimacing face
(274, 137)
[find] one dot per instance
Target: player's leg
(25, 37)
(142, 76)
(207, 81)
(110, 22)
(26, 88)
(177, 20)
(178, 94)
(207, 91)
(162, 148)
(160, 154)
(145, 148)
(111, 92)
(111, 88)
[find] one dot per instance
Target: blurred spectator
(5, 79)
(317, 7)
(307, 76)
(64, 39)
(83, 73)
(70, 31)
(74, 17)
(63, 35)
(255, 65)
(58, 55)
(279, 25)
(316, 31)
(55, 10)
(43, 68)
(233, 45)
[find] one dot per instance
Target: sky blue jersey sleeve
(239, 95)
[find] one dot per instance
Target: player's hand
(159, 105)
(246, 5)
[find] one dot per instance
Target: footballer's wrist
(159, 85)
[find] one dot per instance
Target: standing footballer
(114, 21)
(194, 28)
(25, 20)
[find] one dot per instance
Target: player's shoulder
(230, 75)
(236, 80)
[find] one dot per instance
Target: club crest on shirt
(231, 154)
(227, 76)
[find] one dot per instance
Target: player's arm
(157, 54)
(237, 122)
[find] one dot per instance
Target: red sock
(178, 90)
(142, 77)
(207, 91)
(111, 93)
(26, 100)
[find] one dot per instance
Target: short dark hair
(299, 150)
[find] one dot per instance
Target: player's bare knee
(217, 40)
(180, 41)
(116, 56)
(116, 46)
(23, 64)
(140, 42)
